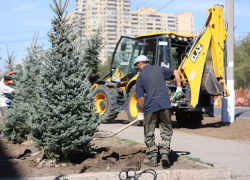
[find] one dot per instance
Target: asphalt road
(239, 111)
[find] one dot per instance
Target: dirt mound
(213, 127)
(100, 159)
(108, 154)
(116, 159)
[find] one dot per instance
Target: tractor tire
(182, 118)
(132, 110)
(188, 119)
(106, 103)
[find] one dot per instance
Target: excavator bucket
(210, 85)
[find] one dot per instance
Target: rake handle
(125, 127)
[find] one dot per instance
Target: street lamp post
(228, 103)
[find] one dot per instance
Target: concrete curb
(175, 174)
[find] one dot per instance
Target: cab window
(150, 50)
(163, 52)
(177, 54)
(126, 52)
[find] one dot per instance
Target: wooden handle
(172, 99)
(125, 127)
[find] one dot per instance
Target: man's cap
(8, 78)
(140, 59)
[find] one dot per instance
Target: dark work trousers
(166, 131)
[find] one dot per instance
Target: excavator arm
(193, 70)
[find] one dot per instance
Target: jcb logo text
(196, 53)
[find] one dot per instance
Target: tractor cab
(162, 49)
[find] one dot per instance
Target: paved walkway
(180, 174)
(222, 153)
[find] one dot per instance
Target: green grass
(196, 160)
(64, 176)
(127, 142)
(239, 176)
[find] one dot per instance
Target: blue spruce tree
(16, 121)
(65, 118)
(92, 49)
(9, 63)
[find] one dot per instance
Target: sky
(21, 18)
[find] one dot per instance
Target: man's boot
(164, 160)
(151, 162)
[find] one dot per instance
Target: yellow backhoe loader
(200, 81)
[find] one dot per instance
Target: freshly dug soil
(111, 155)
(213, 127)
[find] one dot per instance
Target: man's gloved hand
(178, 94)
(140, 116)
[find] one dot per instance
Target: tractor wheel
(106, 103)
(188, 119)
(132, 110)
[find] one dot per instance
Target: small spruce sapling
(92, 49)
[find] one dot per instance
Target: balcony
(111, 4)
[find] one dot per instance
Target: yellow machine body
(214, 35)
(199, 80)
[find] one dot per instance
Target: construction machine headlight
(172, 36)
(179, 38)
(190, 39)
(184, 39)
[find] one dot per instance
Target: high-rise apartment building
(116, 19)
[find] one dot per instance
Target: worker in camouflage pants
(165, 126)
(154, 105)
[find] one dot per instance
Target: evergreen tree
(18, 75)
(65, 118)
(104, 69)
(19, 69)
(9, 64)
(92, 49)
(241, 62)
(16, 121)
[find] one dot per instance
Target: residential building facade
(116, 19)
